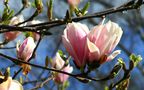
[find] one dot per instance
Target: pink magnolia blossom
(74, 40)
(10, 84)
(102, 40)
(24, 52)
(58, 63)
(9, 36)
(91, 46)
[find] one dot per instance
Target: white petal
(15, 85)
(34, 22)
(16, 20)
(116, 30)
(58, 62)
(113, 55)
(92, 47)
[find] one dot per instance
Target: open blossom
(92, 46)
(10, 84)
(58, 63)
(25, 50)
(74, 40)
(9, 36)
(102, 40)
(34, 35)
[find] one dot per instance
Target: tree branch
(44, 27)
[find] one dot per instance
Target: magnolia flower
(58, 63)
(34, 35)
(24, 52)
(10, 84)
(9, 36)
(102, 40)
(94, 46)
(74, 40)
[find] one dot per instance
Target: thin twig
(42, 26)
(20, 11)
(34, 81)
(43, 83)
(77, 76)
(8, 47)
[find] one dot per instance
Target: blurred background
(132, 23)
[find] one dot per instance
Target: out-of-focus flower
(25, 50)
(59, 64)
(9, 36)
(73, 5)
(34, 35)
(10, 84)
(74, 2)
(101, 42)
(17, 19)
(74, 40)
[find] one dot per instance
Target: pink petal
(70, 49)
(76, 33)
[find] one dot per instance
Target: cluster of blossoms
(87, 47)
(92, 47)
(25, 50)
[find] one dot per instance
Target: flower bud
(39, 5)
(59, 64)
(24, 52)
